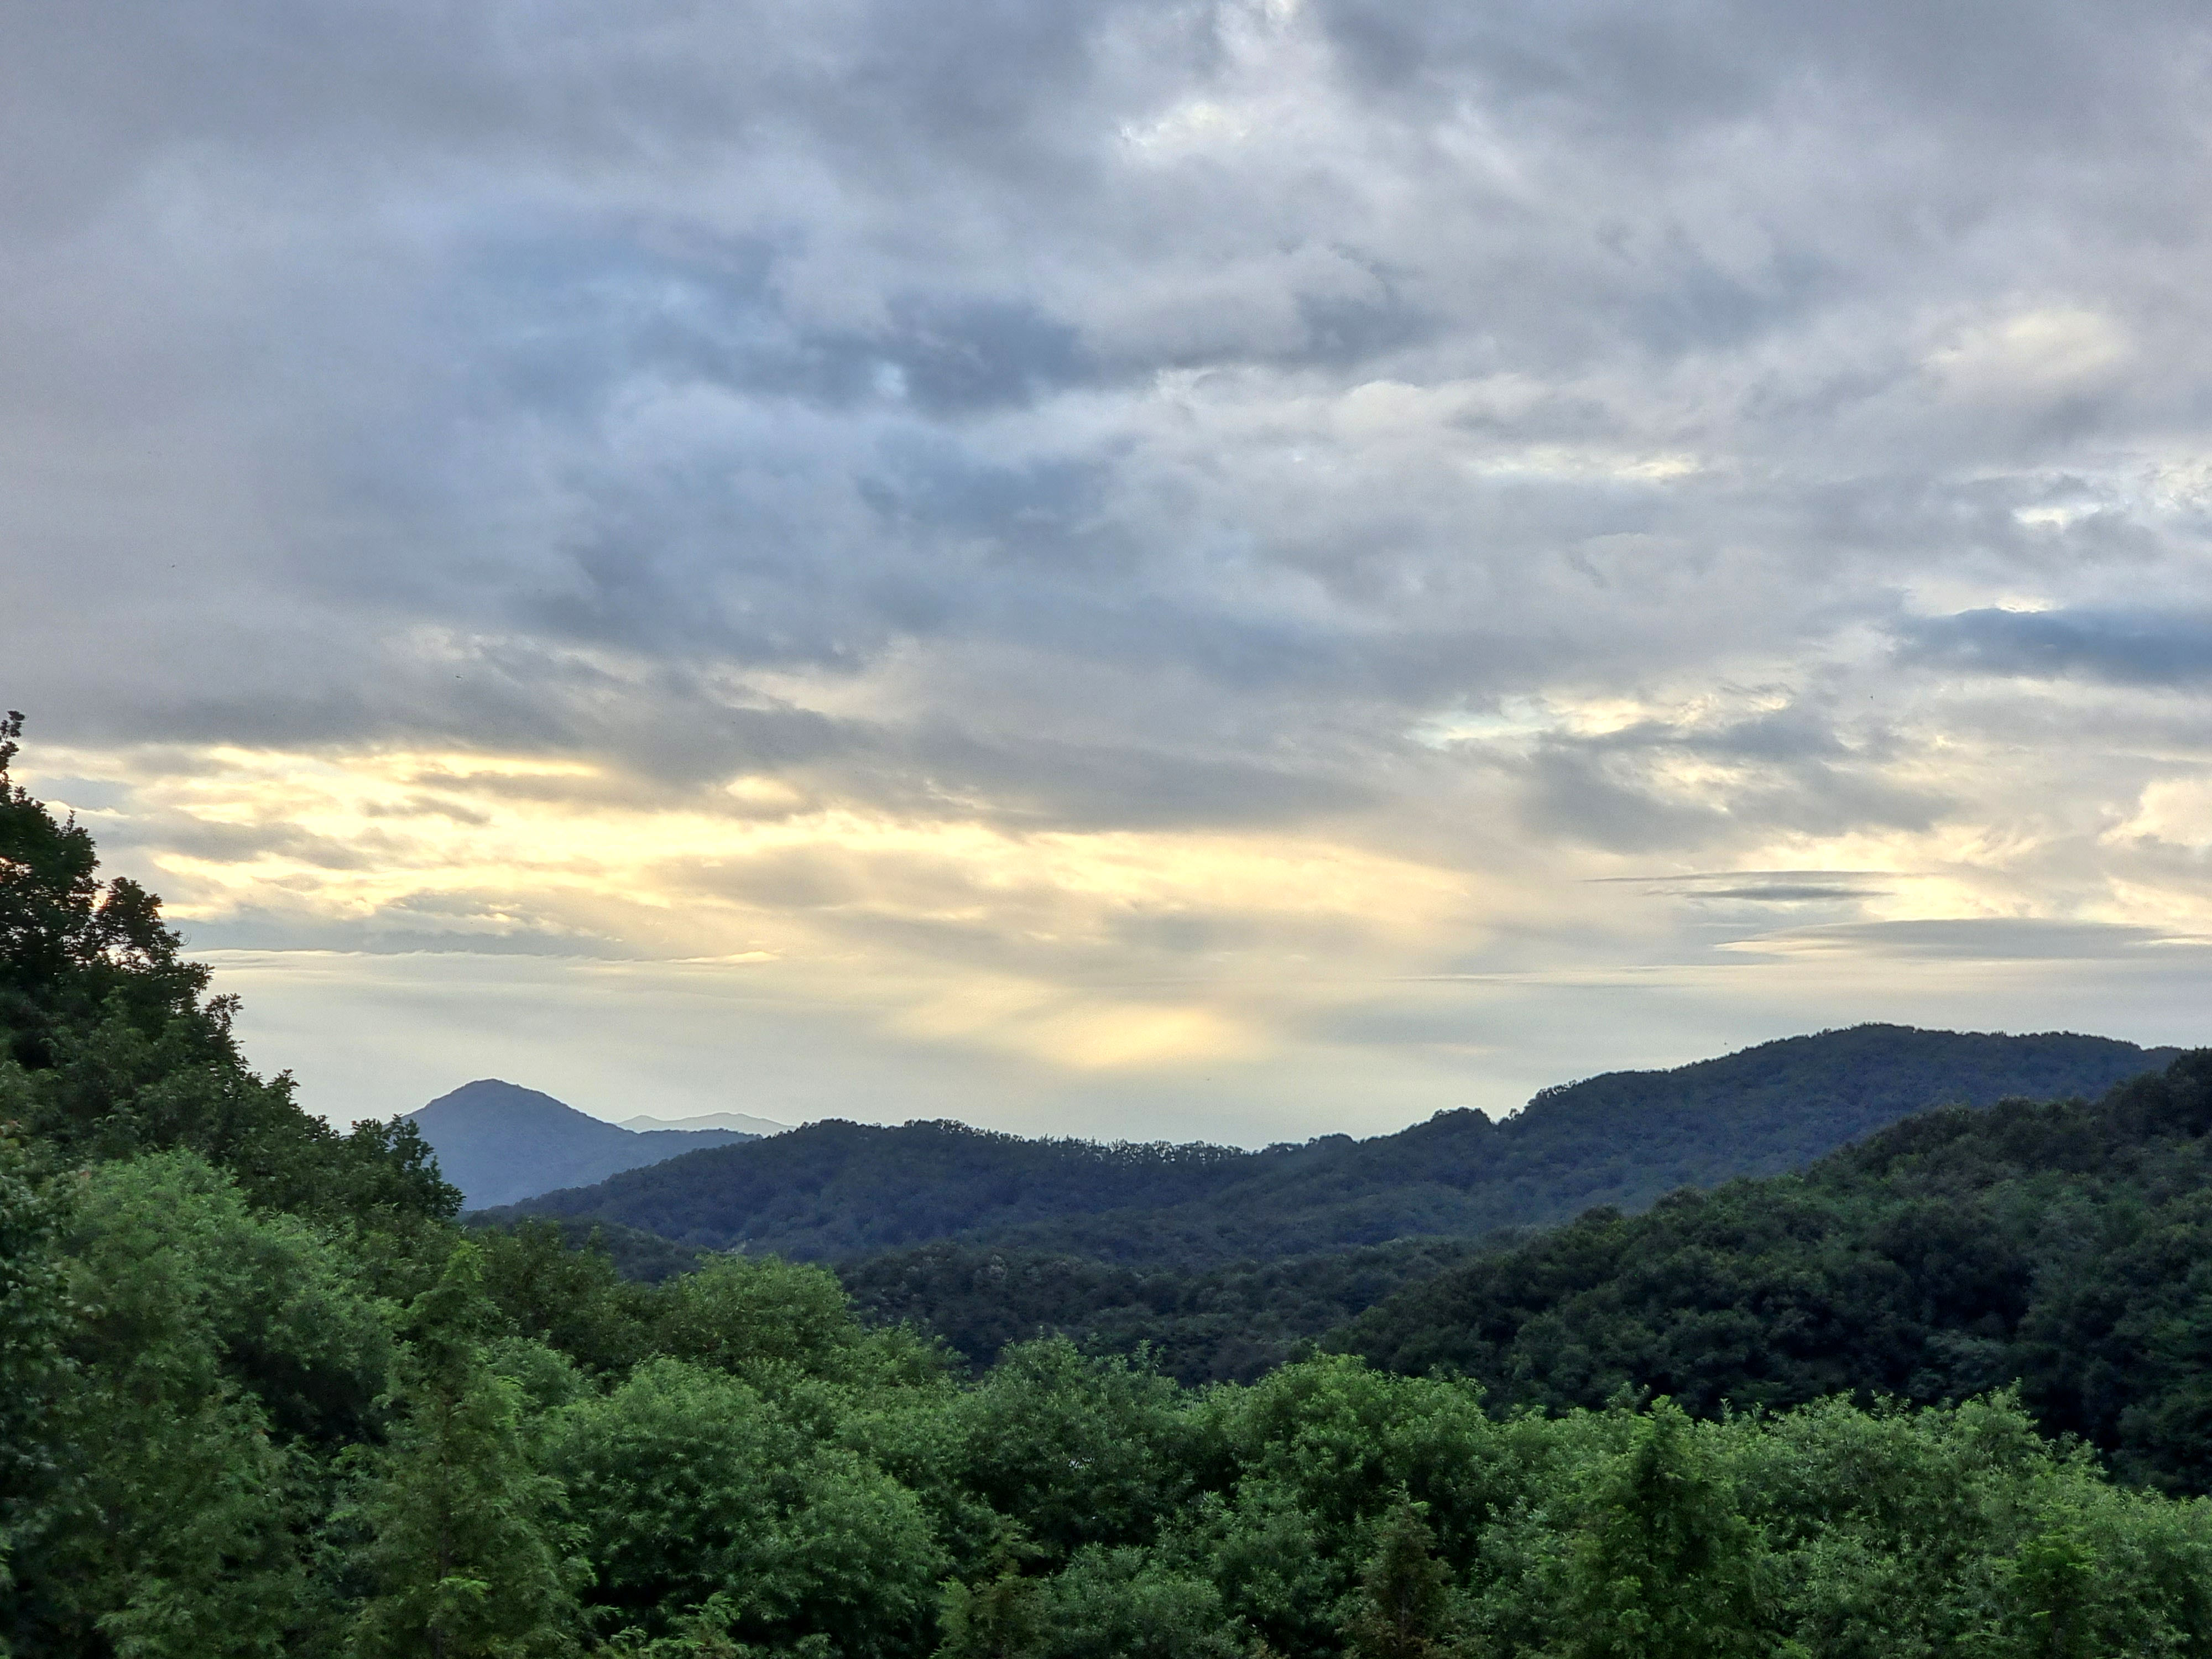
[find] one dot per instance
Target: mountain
(738, 1121)
(499, 1142)
(2063, 1246)
(835, 1189)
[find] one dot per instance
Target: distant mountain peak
(740, 1122)
(500, 1142)
(492, 1095)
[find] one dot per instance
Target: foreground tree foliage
(259, 1395)
(463, 1545)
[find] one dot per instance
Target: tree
(213, 1351)
(1076, 1449)
(570, 1299)
(1665, 1567)
(691, 1482)
(758, 1315)
(121, 1052)
(34, 1321)
(1122, 1603)
(464, 1556)
(68, 944)
(1405, 1608)
(1002, 1619)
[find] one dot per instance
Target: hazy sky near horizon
(1196, 569)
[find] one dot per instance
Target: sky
(1229, 570)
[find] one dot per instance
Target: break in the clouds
(1235, 568)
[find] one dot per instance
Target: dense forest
(1229, 1324)
(838, 1191)
(261, 1395)
(836, 1188)
(2065, 1245)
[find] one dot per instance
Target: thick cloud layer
(1238, 567)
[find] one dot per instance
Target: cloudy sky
(1230, 569)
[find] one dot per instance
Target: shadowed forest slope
(2061, 1245)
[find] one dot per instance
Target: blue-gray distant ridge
(501, 1143)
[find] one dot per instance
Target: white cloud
(2038, 354)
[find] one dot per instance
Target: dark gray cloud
(2124, 647)
(876, 225)
(1785, 770)
(197, 838)
(1785, 893)
(1579, 799)
(1981, 938)
(1764, 886)
(2046, 67)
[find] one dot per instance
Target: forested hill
(2061, 1245)
(836, 1189)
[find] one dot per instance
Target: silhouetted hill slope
(499, 1142)
(838, 1190)
(2063, 1245)
(1623, 1139)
